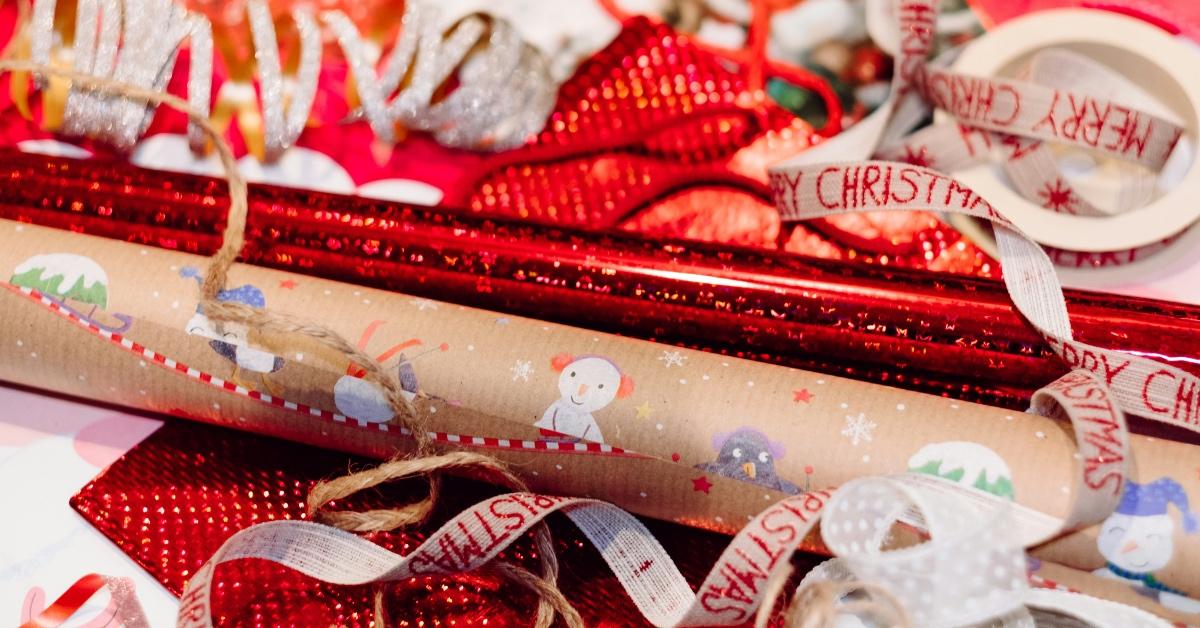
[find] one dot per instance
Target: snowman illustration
(586, 384)
(230, 340)
(1139, 539)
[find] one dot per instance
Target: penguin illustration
(230, 340)
(1139, 539)
(746, 454)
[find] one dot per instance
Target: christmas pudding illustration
(746, 454)
(66, 276)
(360, 399)
(968, 464)
(585, 384)
(1139, 539)
(230, 340)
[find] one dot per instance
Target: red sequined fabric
(937, 332)
(171, 501)
(654, 134)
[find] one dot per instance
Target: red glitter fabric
(171, 501)
(937, 332)
(656, 135)
(653, 134)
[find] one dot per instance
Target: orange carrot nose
(751, 469)
(1129, 547)
(582, 389)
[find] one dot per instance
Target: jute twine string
(819, 604)
(424, 462)
(811, 607)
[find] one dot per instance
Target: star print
(424, 304)
(801, 395)
(917, 156)
(858, 428)
(701, 484)
(644, 411)
(287, 284)
(1058, 197)
(672, 358)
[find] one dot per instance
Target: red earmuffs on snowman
(586, 384)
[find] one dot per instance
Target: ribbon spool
(1162, 66)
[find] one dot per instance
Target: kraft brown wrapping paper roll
(670, 418)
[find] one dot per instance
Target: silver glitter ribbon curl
(281, 128)
(133, 42)
(503, 96)
(504, 93)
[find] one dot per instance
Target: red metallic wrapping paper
(223, 481)
(934, 332)
(172, 500)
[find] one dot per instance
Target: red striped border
(1041, 582)
(463, 440)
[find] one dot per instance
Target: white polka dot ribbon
(971, 569)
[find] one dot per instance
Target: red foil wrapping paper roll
(935, 332)
(230, 480)
(241, 479)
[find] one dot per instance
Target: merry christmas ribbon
(805, 189)
(1064, 98)
(870, 509)
(970, 531)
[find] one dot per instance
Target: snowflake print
(858, 428)
(672, 358)
(522, 369)
(1057, 196)
(424, 304)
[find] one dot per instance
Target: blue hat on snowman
(1151, 500)
(246, 294)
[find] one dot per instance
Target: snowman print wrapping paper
(1138, 539)
(586, 384)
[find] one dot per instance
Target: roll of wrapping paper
(935, 332)
(678, 434)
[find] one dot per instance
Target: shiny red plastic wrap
(172, 500)
(937, 332)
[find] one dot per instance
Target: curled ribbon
(955, 579)
(863, 513)
(805, 187)
(858, 518)
(128, 612)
